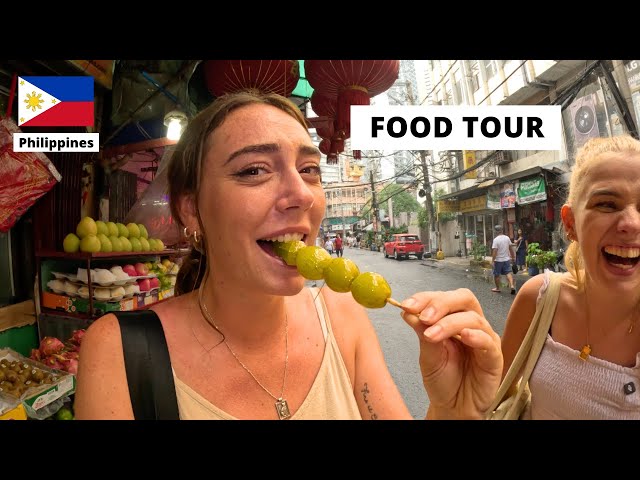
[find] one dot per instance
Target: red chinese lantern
(272, 76)
(351, 82)
(324, 106)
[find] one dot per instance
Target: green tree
(423, 218)
(402, 200)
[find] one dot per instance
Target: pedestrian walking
(338, 245)
(501, 257)
(328, 245)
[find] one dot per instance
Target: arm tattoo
(365, 392)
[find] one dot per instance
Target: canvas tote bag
(513, 406)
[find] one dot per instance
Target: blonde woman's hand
(460, 354)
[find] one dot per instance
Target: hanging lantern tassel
(325, 146)
(357, 154)
(332, 157)
(351, 95)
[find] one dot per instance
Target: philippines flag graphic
(55, 101)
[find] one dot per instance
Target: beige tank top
(331, 396)
(564, 387)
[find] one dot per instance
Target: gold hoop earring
(185, 232)
(195, 236)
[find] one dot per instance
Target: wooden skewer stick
(395, 303)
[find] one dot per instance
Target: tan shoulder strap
(321, 309)
(533, 341)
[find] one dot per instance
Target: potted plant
(538, 259)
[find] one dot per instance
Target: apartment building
(525, 189)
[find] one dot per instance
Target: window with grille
(490, 68)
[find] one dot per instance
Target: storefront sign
(493, 197)
(447, 206)
(507, 195)
(633, 77)
(473, 204)
(469, 158)
(531, 190)
(511, 215)
(633, 74)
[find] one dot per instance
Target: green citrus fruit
(288, 251)
(71, 243)
(340, 273)
(311, 262)
(64, 414)
(370, 290)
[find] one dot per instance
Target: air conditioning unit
(501, 157)
(583, 119)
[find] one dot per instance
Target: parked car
(401, 245)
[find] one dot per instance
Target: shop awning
(486, 183)
(559, 167)
(461, 194)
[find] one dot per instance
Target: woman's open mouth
(623, 258)
(266, 244)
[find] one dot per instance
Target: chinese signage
(531, 190)
(447, 206)
(469, 158)
(473, 204)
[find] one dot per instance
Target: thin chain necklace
(585, 352)
(282, 407)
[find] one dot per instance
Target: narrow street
(399, 342)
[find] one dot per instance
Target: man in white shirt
(501, 256)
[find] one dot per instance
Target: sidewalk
(463, 264)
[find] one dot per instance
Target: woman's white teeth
(622, 267)
(287, 237)
(623, 252)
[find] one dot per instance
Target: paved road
(399, 342)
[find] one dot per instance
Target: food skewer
(396, 303)
(369, 289)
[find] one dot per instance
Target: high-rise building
(424, 95)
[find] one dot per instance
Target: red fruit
(71, 355)
(35, 355)
(50, 345)
(130, 270)
(72, 367)
(52, 362)
(141, 269)
(154, 282)
(77, 336)
(144, 285)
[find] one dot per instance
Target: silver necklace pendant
(282, 407)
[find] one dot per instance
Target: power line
(441, 80)
(504, 81)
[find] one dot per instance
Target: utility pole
(342, 172)
(344, 227)
(425, 179)
(374, 206)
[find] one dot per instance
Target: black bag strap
(148, 366)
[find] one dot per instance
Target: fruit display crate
(90, 309)
(102, 255)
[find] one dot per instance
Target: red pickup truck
(402, 245)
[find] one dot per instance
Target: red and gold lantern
(350, 82)
(270, 76)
